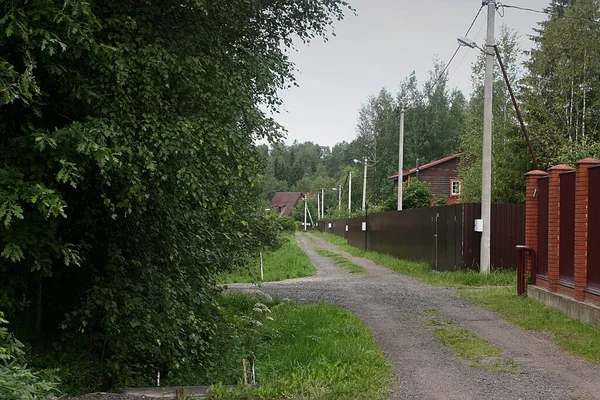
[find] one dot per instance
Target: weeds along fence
(443, 236)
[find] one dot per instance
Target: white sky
(379, 47)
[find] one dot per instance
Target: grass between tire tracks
(500, 296)
(314, 352)
(422, 270)
(577, 337)
(287, 262)
(468, 345)
(343, 262)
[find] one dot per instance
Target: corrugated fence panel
(442, 236)
(471, 239)
(508, 231)
(567, 228)
(543, 202)
(593, 272)
(407, 234)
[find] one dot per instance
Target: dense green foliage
(562, 87)
(17, 381)
(128, 170)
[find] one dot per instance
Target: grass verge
(287, 262)
(312, 352)
(422, 270)
(343, 262)
(572, 335)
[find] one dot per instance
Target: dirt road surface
(392, 306)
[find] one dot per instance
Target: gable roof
(285, 202)
(428, 165)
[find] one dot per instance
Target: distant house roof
(284, 202)
(428, 165)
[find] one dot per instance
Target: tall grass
(288, 262)
(315, 352)
(422, 270)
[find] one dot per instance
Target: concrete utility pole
(364, 201)
(400, 159)
(318, 207)
(340, 197)
(305, 210)
(486, 162)
(322, 203)
(349, 193)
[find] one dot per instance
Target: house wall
(439, 177)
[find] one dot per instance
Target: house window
(455, 187)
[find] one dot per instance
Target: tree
(562, 85)
(129, 163)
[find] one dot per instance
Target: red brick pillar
(554, 224)
(581, 224)
(531, 211)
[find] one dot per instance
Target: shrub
(17, 381)
(287, 223)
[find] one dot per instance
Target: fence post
(531, 214)
(581, 224)
(554, 224)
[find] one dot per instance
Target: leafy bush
(415, 194)
(17, 381)
(287, 223)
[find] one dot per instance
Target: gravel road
(391, 305)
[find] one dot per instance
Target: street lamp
(339, 190)
(364, 162)
(486, 159)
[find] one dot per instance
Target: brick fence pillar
(531, 211)
(554, 224)
(581, 224)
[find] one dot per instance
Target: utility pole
(322, 203)
(400, 159)
(364, 201)
(318, 207)
(340, 197)
(349, 193)
(486, 162)
(305, 209)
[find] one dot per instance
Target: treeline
(558, 89)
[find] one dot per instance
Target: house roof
(428, 165)
(286, 201)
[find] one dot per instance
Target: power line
(439, 78)
(500, 5)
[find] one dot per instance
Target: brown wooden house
(441, 174)
(283, 203)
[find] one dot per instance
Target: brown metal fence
(543, 202)
(443, 236)
(593, 271)
(567, 228)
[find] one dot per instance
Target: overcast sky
(379, 47)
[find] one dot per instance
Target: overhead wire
(439, 78)
(501, 5)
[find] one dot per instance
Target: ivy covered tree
(128, 163)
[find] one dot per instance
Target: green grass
(475, 349)
(288, 262)
(314, 352)
(422, 270)
(343, 262)
(572, 335)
